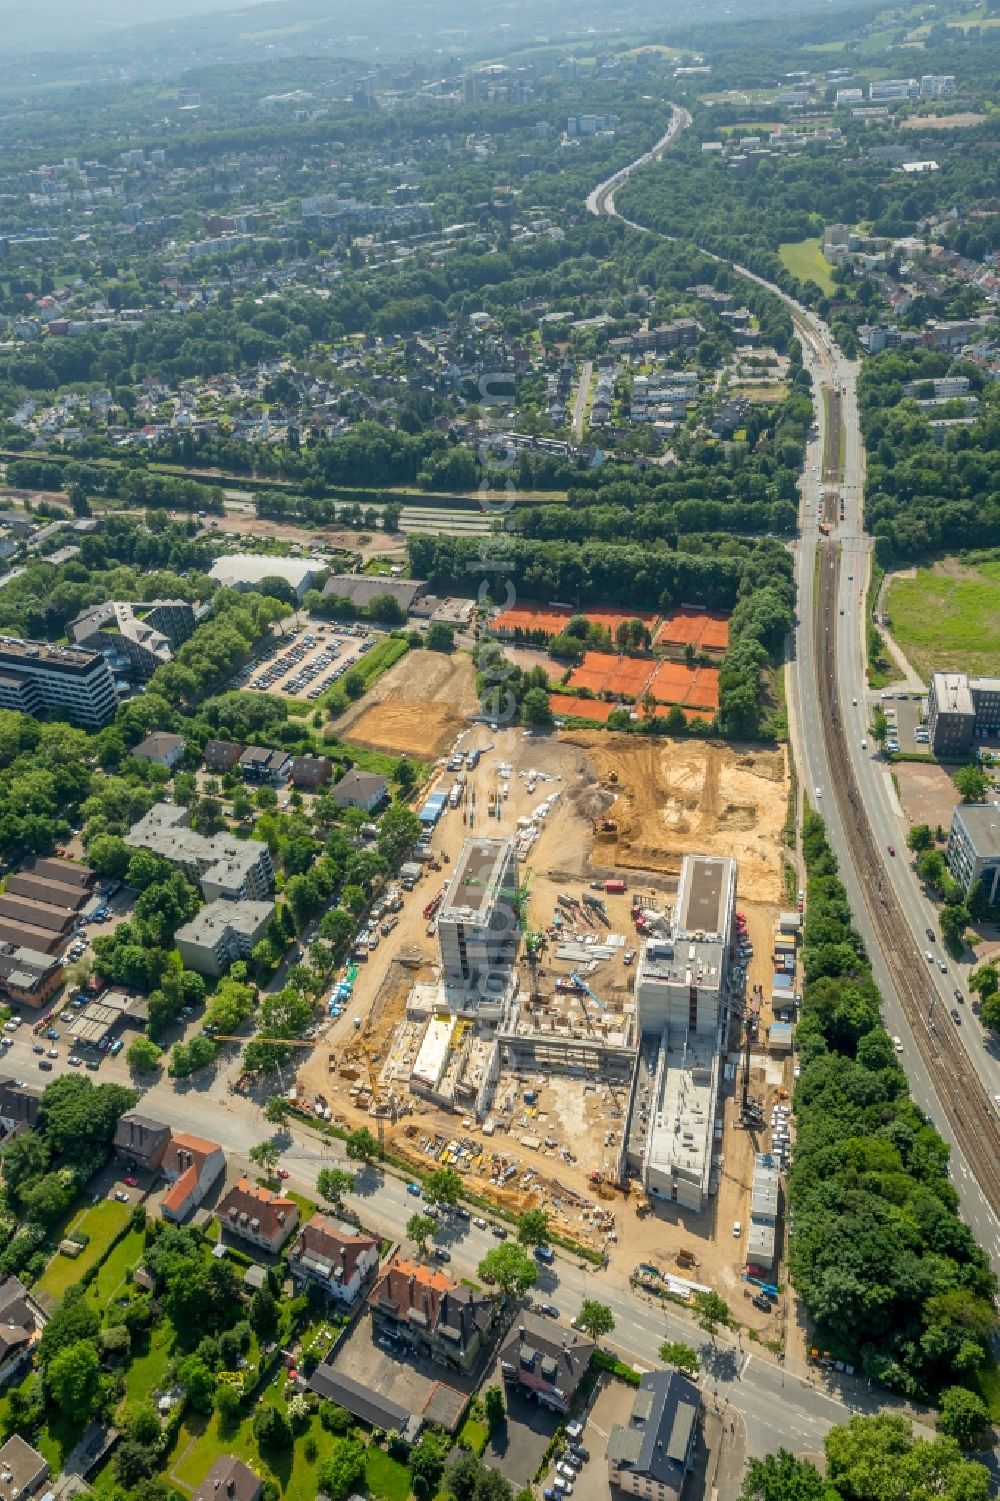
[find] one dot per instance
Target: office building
(224, 866)
(59, 681)
(961, 709)
(650, 1455)
(893, 88)
(937, 85)
(478, 927)
(135, 639)
(682, 1000)
(973, 853)
(222, 932)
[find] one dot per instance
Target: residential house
(428, 1313)
(230, 1479)
(162, 749)
(360, 789)
(140, 1141)
(192, 1166)
(21, 1323)
(258, 764)
(28, 975)
(18, 1106)
(222, 932)
(540, 1361)
(23, 1471)
(257, 1215)
(651, 1455)
(310, 772)
(334, 1258)
(221, 755)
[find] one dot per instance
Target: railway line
(970, 1111)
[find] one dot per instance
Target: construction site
(529, 1018)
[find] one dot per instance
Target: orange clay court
(705, 630)
(599, 710)
(551, 619)
(669, 682)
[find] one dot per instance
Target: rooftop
(672, 1122)
(218, 918)
(17, 653)
(251, 568)
(951, 690)
(21, 1468)
(476, 882)
(981, 821)
(656, 1443)
(705, 895)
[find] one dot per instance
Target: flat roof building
(682, 1000)
(135, 639)
(478, 926)
(222, 932)
(60, 681)
(361, 588)
(973, 852)
(762, 1248)
(961, 709)
(246, 571)
(224, 866)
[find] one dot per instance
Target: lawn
(948, 617)
(102, 1223)
(147, 1371)
(126, 1254)
(804, 259)
(201, 1442)
(386, 1477)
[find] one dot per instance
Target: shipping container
(615, 887)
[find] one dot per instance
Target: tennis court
(694, 687)
(705, 630)
(526, 616)
(566, 707)
(603, 672)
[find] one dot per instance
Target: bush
(335, 1419)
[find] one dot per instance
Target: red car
(131, 1182)
(283, 1172)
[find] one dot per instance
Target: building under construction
(683, 997)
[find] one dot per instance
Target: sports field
(804, 259)
(948, 617)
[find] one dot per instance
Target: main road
(818, 754)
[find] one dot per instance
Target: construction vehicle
(582, 985)
(431, 909)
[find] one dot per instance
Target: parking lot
(906, 732)
(308, 659)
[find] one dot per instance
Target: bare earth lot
(418, 707)
(927, 793)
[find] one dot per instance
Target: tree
(496, 1411)
(362, 1146)
(710, 1311)
(197, 1383)
(420, 1227)
(535, 708)
(684, 1357)
(443, 1186)
(533, 1228)
(277, 1110)
(398, 831)
(344, 1471)
(920, 838)
(426, 1467)
(878, 1459)
(263, 1313)
(595, 1318)
(954, 921)
(265, 1154)
(72, 1380)
(440, 637)
(782, 1477)
(227, 1404)
(511, 1270)
(963, 1415)
(879, 727)
(333, 1183)
(985, 981)
(972, 783)
(143, 1055)
(271, 1428)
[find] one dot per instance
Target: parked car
(581, 1451)
(574, 1430)
(130, 1181)
(761, 1301)
(45, 1065)
(479, 1222)
(414, 1189)
(441, 1253)
(499, 1232)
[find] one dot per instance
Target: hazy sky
(49, 24)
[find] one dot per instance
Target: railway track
(970, 1112)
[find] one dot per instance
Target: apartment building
(141, 1141)
(478, 926)
(60, 681)
(222, 932)
(651, 1454)
(135, 639)
(335, 1258)
(27, 976)
(258, 1216)
(192, 1167)
(225, 867)
(545, 1363)
(427, 1312)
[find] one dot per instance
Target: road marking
(745, 1366)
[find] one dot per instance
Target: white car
(737, 1229)
(819, 792)
(897, 1043)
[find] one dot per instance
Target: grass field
(804, 259)
(126, 1254)
(102, 1223)
(948, 617)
